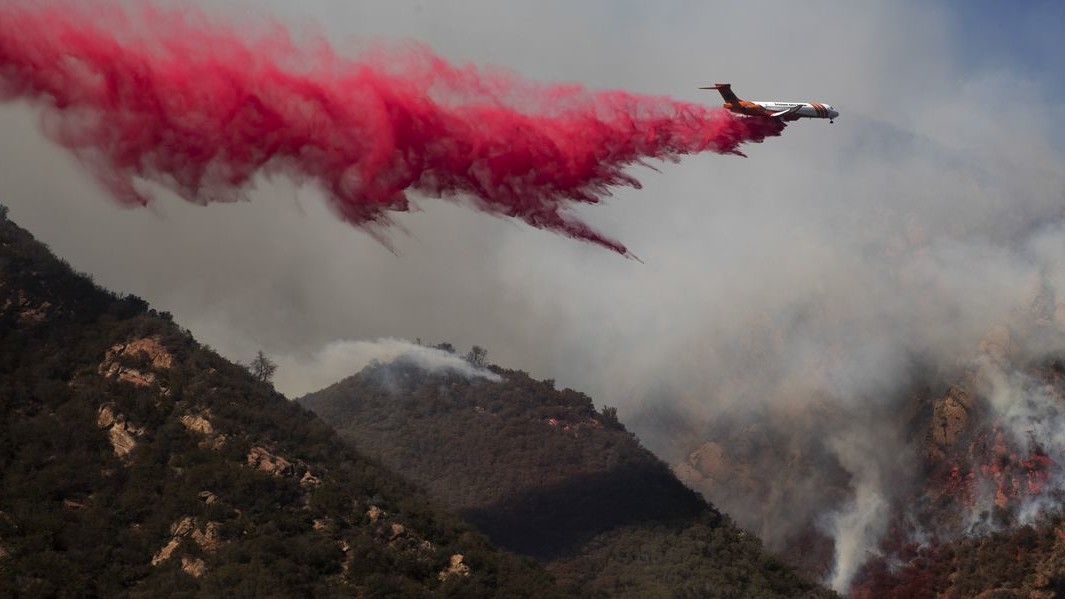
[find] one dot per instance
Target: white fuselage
(812, 110)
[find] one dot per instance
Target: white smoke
(857, 526)
(340, 359)
(856, 530)
(1032, 413)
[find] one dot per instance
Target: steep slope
(543, 473)
(966, 458)
(135, 462)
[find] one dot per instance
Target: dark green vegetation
(543, 473)
(133, 461)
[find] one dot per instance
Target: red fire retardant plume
(164, 96)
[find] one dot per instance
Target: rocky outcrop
(708, 463)
(193, 566)
(197, 423)
(200, 424)
(950, 420)
(36, 314)
(310, 481)
(274, 465)
(975, 460)
(183, 527)
(454, 569)
(122, 434)
(28, 313)
(208, 537)
(166, 551)
(374, 514)
(134, 361)
(398, 536)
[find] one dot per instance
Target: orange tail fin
(726, 91)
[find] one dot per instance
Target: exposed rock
(183, 527)
(261, 459)
(710, 461)
(105, 417)
(309, 481)
(35, 315)
(193, 566)
(166, 552)
(320, 524)
(197, 423)
(455, 568)
(397, 530)
(207, 497)
(158, 358)
(950, 417)
(345, 547)
(129, 375)
(121, 440)
(121, 433)
(709, 467)
(209, 538)
(375, 513)
(28, 313)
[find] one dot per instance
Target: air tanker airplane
(785, 111)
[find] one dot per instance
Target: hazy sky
(944, 115)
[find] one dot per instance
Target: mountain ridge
(544, 473)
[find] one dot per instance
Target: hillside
(963, 465)
(545, 474)
(1027, 562)
(134, 461)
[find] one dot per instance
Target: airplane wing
(791, 110)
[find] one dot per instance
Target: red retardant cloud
(165, 96)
